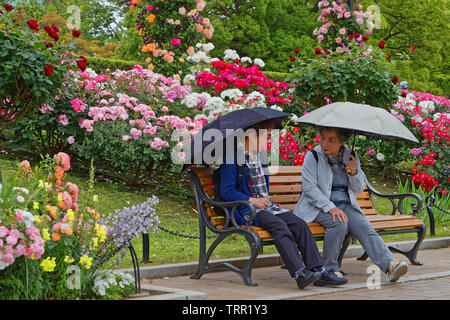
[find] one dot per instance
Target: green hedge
(277, 76)
(100, 65)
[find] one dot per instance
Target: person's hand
(336, 212)
(260, 203)
(352, 167)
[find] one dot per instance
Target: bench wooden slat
(369, 211)
(285, 179)
(399, 224)
(365, 204)
(364, 195)
(286, 198)
(285, 188)
(380, 218)
(293, 170)
(206, 181)
(203, 172)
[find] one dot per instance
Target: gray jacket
(317, 178)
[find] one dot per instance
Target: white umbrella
(361, 119)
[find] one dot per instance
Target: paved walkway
(429, 281)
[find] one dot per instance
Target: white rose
(259, 63)
(380, 156)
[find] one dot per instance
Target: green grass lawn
(176, 213)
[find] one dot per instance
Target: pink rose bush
(341, 25)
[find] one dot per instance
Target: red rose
(412, 48)
(33, 24)
(395, 80)
(318, 51)
(296, 129)
(48, 44)
(54, 35)
(388, 56)
(443, 191)
(350, 37)
(82, 65)
(76, 33)
(48, 70)
(48, 29)
(297, 50)
(326, 50)
(381, 44)
(356, 35)
(8, 7)
(365, 39)
(83, 58)
(293, 59)
(55, 28)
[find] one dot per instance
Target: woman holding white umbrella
(332, 176)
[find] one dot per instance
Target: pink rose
(175, 42)
(4, 231)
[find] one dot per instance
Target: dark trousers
(292, 234)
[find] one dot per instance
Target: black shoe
(329, 278)
(305, 277)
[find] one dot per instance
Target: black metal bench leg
(202, 261)
(255, 247)
(412, 254)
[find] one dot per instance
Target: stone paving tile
(273, 281)
(438, 288)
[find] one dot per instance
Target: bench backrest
(285, 189)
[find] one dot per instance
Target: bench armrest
(233, 205)
(201, 196)
(416, 207)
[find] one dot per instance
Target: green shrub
(100, 65)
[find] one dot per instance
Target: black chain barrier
(182, 235)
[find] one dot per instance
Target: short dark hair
(271, 123)
(342, 133)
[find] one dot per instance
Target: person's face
(258, 138)
(329, 142)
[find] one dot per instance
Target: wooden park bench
(285, 189)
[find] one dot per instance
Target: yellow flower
(181, 60)
(70, 215)
(48, 186)
(95, 242)
(151, 67)
(68, 259)
(45, 234)
(48, 264)
(95, 198)
(60, 198)
(86, 261)
(101, 232)
(41, 184)
(37, 218)
(35, 205)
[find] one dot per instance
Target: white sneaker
(396, 269)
